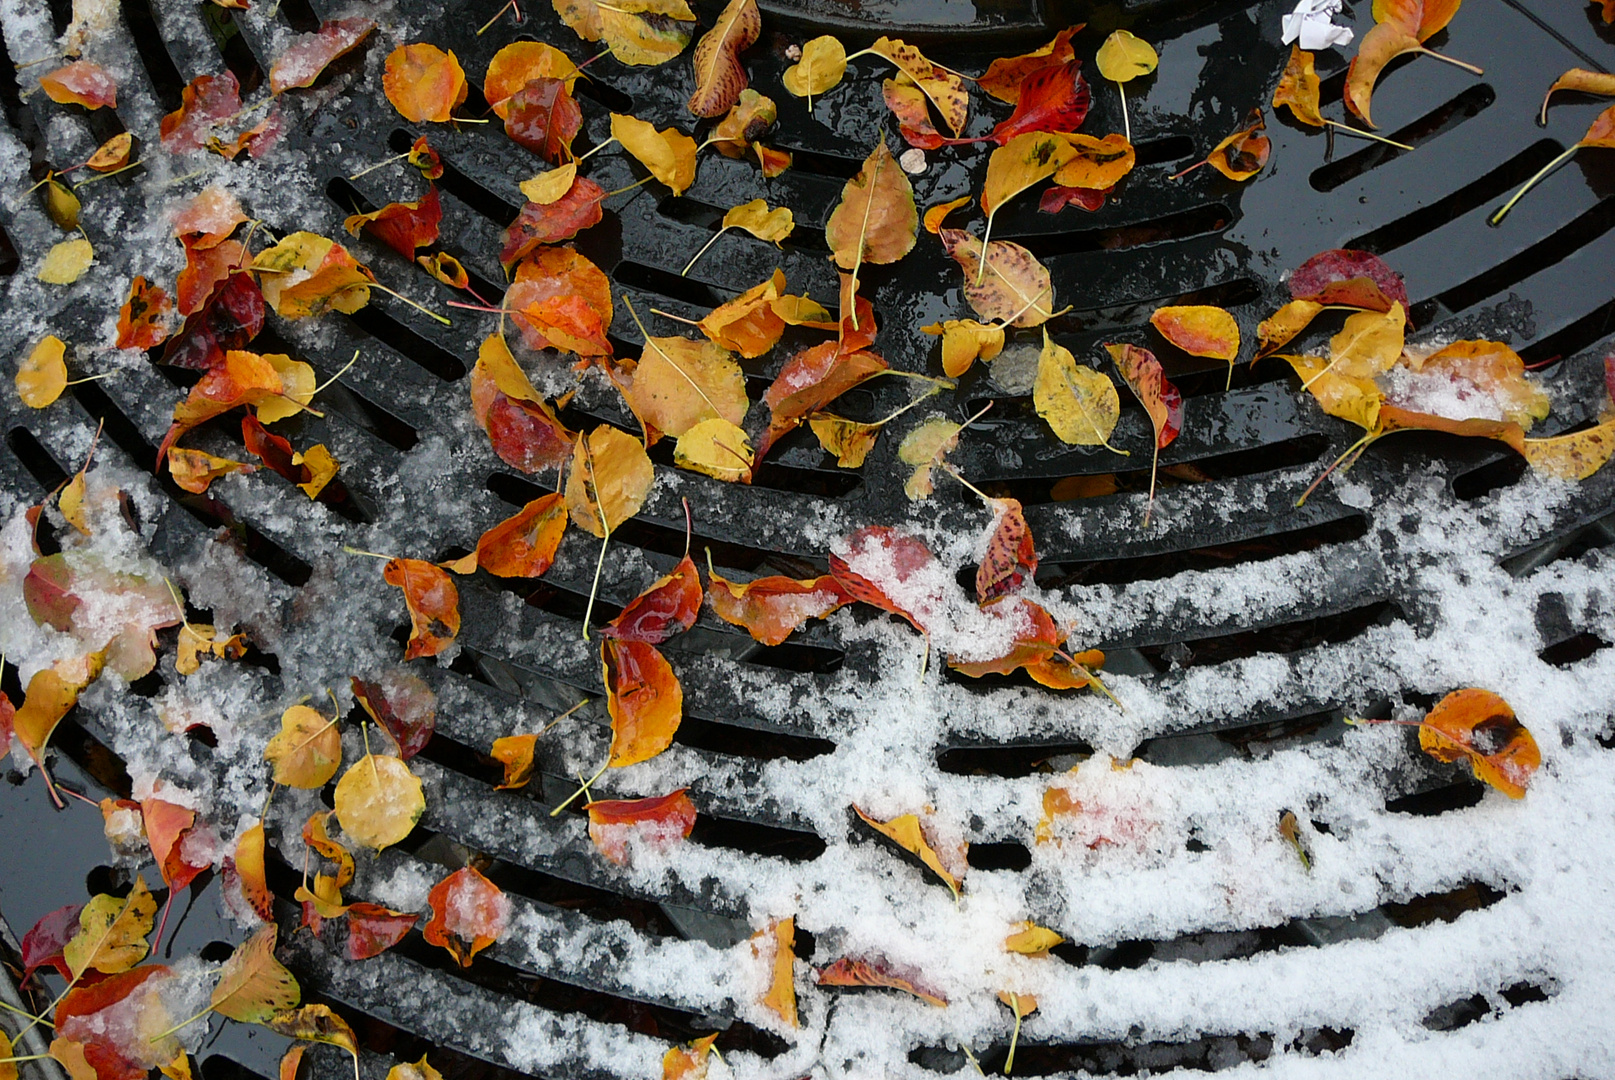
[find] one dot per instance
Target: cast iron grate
(608, 967)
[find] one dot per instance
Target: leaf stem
(1149, 507)
(337, 376)
(564, 715)
(630, 187)
(1359, 446)
(1127, 123)
(587, 154)
(106, 175)
(508, 5)
(418, 307)
(181, 1024)
(981, 267)
(1190, 169)
(583, 788)
(1348, 129)
(675, 318)
(1015, 1007)
(1471, 68)
(696, 257)
(19, 1012)
(591, 490)
(922, 399)
(1498, 217)
(383, 163)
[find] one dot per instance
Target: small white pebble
(793, 53)
(912, 160)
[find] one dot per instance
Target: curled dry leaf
(924, 448)
(303, 61)
(195, 470)
(716, 448)
(659, 821)
(823, 64)
(1582, 81)
(314, 1023)
(403, 704)
(677, 383)
(205, 101)
(81, 83)
(876, 220)
(42, 374)
(744, 123)
(1243, 154)
(1080, 403)
(253, 985)
(964, 341)
(167, 827)
(849, 440)
(1479, 726)
(610, 477)
(876, 972)
(1160, 398)
(424, 82)
(1379, 47)
(1095, 165)
(112, 154)
(1298, 88)
(669, 154)
(643, 697)
(445, 268)
(719, 76)
(433, 602)
(1011, 557)
(402, 226)
(770, 608)
(906, 832)
(378, 800)
(549, 223)
(748, 324)
(667, 608)
(515, 753)
(143, 318)
(524, 544)
(469, 913)
(197, 640)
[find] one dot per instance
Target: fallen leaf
(1011, 558)
(1600, 133)
(1581, 81)
(433, 602)
(112, 154)
(719, 76)
(964, 341)
(1495, 370)
(1290, 829)
(424, 158)
(1379, 47)
(378, 800)
(418, 1070)
(945, 89)
(81, 83)
(402, 226)
(469, 913)
(51, 693)
(669, 154)
(561, 300)
(168, 825)
(521, 427)
(1481, 727)
(716, 448)
(1369, 344)
(1243, 154)
(1280, 328)
(112, 931)
(205, 101)
(1350, 398)
(1199, 330)
(906, 832)
(876, 973)
(912, 109)
(1422, 18)
(89, 1013)
(253, 985)
(876, 220)
(66, 262)
(403, 704)
(226, 317)
(315, 1023)
(643, 697)
(610, 477)
(639, 32)
(549, 223)
(924, 448)
(194, 470)
(1160, 398)
(249, 867)
(42, 374)
(373, 929)
(1298, 88)
(1020, 163)
(1095, 165)
(291, 1061)
(748, 324)
(1054, 98)
(61, 205)
(1030, 939)
(306, 275)
(1349, 278)
(197, 640)
(1080, 403)
(545, 118)
(143, 317)
(808, 382)
(524, 544)
(688, 1063)
(823, 64)
(445, 268)
(520, 63)
(515, 753)
(1575, 456)
(744, 123)
(423, 82)
(302, 62)
(849, 440)
(658, 822)
(770, 608)
(208, 219)
(1014, 289)
(677, 383)
(1004, 76)
(905, 555)
(781, 952)
(1124, 57)
(668, 607)
(45, 942)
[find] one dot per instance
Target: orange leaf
(1199, 330)
(808, 382)
(434, 605)
(643, 697)
(770, 608)
(112, 154)
(445, 268)
(719, 78)
(208, 219)
(748, 324)
(402, 226)
(205, 269)
(515, 752)
(243, 379)
(51, 693)
(561, 300)
(781, 996)
(906, 555)
(667, 608)
(143, 317)
(249, 868)
(906, 832)
(469, 913)
(423, 82)
(1298, 88)
(1242, 155)
(547, 223)
(206, 100)
(1011, 557)
(876, 972)
(524, 544)
(310, 54)
(1379, 47)
(520, 63)
(659, 821)
(81, 83)
(688, 1063)
(1478, 725)
(373, 929)
(306, 274)
(167, 826)
(1004, 76)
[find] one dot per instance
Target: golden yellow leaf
(194, 470)
(71, 503)
(253, 985)
(1096, 163)
(197, 639)
(306, 274)
(1355, 399)
(906, 833)
(322, 468)
(876, 220)
(546, 187)
(716, 447)
(756, 218)
(1018, 164)
(849, 440)
(317, 1023)
(679, 382)
(42, 374)
(945, 89)
(62, 205)
(610, 477)
(964, 341)
(924, 448)
(66, 262)
(669, 154)
(1369, 344)
(646, 32)
(297, 383)
(378, 800)
(1575, 456)
(307, 751)
(112, 932)
(1124, 57)
(1030, 939)
(1278, 329)
(1080, 403)
(1298, 88)
(781, 996)
(823, 63)
(414, 1070)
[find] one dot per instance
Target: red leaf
(875, 972)
(7, 712)
(1351, 278)
(562, 219)
(469, 913)
(229, 318)
(1053, 98)
(274, 451)
(167, 826)
(1057, 198)
(45, 590)
(527, 435)
(545, 118)
(402, 226)
(43, 945)
(1011, 557)
(87, 999)
(403, 704)
(433, 602)
(666, 608)
(659, 820)
(770, 608)
(205, 101)
(310, 54)
(906, 554)
(373, 929)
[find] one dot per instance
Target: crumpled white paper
(1310, 21)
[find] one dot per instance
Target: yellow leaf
(322, 468)
(413, 1070)
(61, 204)
(1018, 164)
(112, 932)
(1278, 329)
(51, 693)
(1080, 403)
(1124, 57)
(924, 448)
(905, 832)
(317, 1023)
(66, 262)
(306, 274)
(197, 639)
(297, 383)
(849, 440)
(756, 218)
(610, 476)
(1575, 456)
(934, 215)
(637, 35)
(194, 470)
(1096, 163)
(945, 89)
(716, 447)
(678, 383)
(1369, 344)
(253, 985)
(178, 1069)
(42, 374)
(1199, 330)
(823, 63)
(378, 800)
(71, 503)
(70, 1055)
(1030, 939)
(1345, 396)
(876, 220)
(781, 996)
(546, 187)
(964, 341)
(307, 751)
(669, 154)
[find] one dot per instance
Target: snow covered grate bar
(864, 857)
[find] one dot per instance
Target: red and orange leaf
(667, 608)
(545, 118)
(402, 226)
(81, 83)
(1243, 154)
(195, 470)
(643, 697)
(1056, 198)
(877, 973)
(423, 82)
(205, 101)
(524, 544)
(208, 219)
(1011, 557)
(515, 753)
(549, 223)
(228, 317)
(274, 451)
(520, 63)
(469, 913)
(445, 268)
(403, 704)
(204, 269)
(561, 300)
(1199, 330)
(809, 381)
(142, 321)
(433, 601)
(306, 274)
(522, 428)
(243, 378)
(1349, 278)
(1153, 389)
(1004, 76)
(1479, 726)
(309, 55)
(1054, 98)
(659, 821)
(906, 555)
(425, 159)
(770, 608)
(748, 324)
(373, 929)
(1036, 649)
(167, 826)
(112, 154)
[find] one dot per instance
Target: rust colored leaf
(777, 942)
(748, 324)
(906, 556)
(907, 833)
(469, 913)
(1199, 330)
(561, 300)
(402, 226)
(521, 426)
(945, 89)
(876, 972)
(770, 608)
(544, 117)
(205, 101)
(1054, 98)
(307, 275)
(434, 605)
(1036, 649)
(445, 268)
(1349, 278)
(515, 752)
(1480, 726)
(309, 55)
(808, 382)
(275, 452)
(142, 321)
(1004, 76)
(1010, 558)
(81, 83)
(403, 704)
(1379, 47)
(1243, 154)
(643, 697)
(424, 82)
(667, 608)
(524, 544)
(913, 112)
(228, 318)
(373, 929)
(659, 821)
(719, 76)
(549, 223)
(1298, 88)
